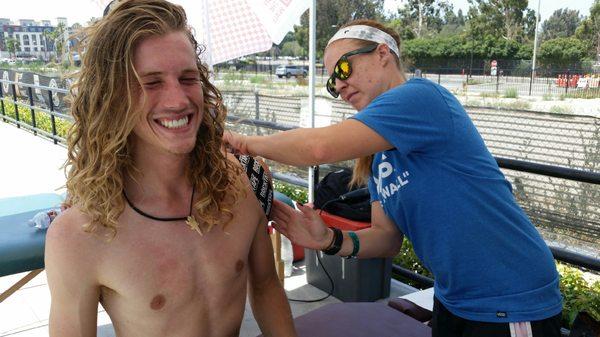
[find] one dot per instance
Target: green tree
(12, 45)
(501, 18)
(562, 23)
(589, 30)
(562, 52)
(332, 14)
(529, 25)
(425, 17)
(292, 48)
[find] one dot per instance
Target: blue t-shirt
(445, 192)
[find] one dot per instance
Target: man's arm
(267, 297)
(71, 278)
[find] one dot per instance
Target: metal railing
(29, 115)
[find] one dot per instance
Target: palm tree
(57, 35)
(13, 45)
(46, 34)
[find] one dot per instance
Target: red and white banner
(233, 28)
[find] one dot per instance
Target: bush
(302, 81)
(257, 79)
(409, 260)
(473, 81)
(561, 109)
(523, 68)
(488, 94)
(548, 97)
(294, 192)
(42, 119)
(578, 294)
(511, 93)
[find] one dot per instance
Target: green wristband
(355, 244)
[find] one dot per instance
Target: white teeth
(174, 124)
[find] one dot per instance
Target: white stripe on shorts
(520, 329)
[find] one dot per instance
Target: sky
(82, 10)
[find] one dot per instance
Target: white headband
(367, 33)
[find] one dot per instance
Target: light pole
(471, 47)
(535, 39)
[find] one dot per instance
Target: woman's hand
(304, 228)
(235, 143)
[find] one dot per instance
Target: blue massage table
(22, 246)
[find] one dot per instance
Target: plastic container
(355, 280)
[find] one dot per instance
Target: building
(31, 38)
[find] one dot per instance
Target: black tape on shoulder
(259, 181)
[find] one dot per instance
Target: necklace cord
(144, 214)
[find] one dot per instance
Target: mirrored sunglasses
(343, 68)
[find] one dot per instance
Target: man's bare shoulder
(67, 238)
(231, 157)
(236, 163)
(68, 225)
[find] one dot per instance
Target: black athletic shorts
(446, 324)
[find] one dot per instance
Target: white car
(289, 71)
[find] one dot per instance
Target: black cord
(322, 266)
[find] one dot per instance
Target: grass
(548, 97)
(302, 81)
(472, 81)
(589, 93)
(511, 93)
(488, 95)
(474, 103)
(518, 105)
(561, 109)
(229, 77)
(258, 79)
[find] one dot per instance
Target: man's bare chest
(160, 269)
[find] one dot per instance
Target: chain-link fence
(566, 212)
(557, 85)
(509, 79)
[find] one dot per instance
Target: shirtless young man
(148, 128)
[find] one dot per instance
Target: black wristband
(338, 239)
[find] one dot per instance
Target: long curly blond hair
(104, 110)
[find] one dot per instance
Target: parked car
(289, 71)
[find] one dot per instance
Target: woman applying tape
(432, 178)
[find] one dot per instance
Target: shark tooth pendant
(193, 224)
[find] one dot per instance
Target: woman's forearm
(300, 147)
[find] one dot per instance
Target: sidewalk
(30, 164)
